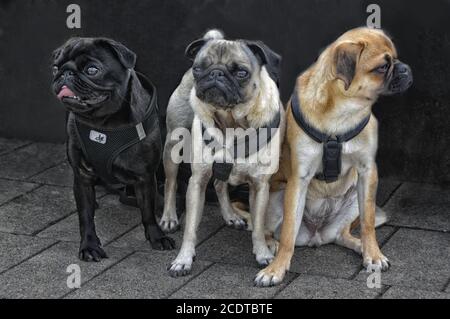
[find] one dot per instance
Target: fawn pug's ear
(193, 48)
(267, 57)
(346, 57)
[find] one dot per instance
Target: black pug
(113, 131)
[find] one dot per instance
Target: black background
(414, 128)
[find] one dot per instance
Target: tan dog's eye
(383, 69)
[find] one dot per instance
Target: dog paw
(263, 255)
(158, 240)
(180, 268)
(380, 263)
(375, 262)
(164, 243)
(273, 245)
(269, 276)
(236, 222)
(91, 251)
(169, 224)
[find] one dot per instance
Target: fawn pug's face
(227, 73)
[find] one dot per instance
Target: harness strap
(332, 145)
(222, 171)
(101, 146)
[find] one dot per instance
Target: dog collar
(222, 171)
(101, 146)
(332, 145)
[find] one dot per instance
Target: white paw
(169, 224)
(236, 222)
(264, 256)
(180, 267)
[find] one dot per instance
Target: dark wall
(414, 130)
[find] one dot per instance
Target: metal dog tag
(331, 160)
(97, 137)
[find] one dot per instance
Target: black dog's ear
(69, 43)
(346, 57)
(266, 56)
(193, 48)
(125, 55)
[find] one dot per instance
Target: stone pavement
(39, 240)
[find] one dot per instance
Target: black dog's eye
(241, 74)
(92, 70)
(55, 70)
(383, 69)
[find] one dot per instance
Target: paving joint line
(29, 257)
(99, 274)
(188, 281)
(21, 195)
(384, 289)
(391, 194)
(17, 148)
(419, 228)
(46, 169)
(447, 285)
(286, 284)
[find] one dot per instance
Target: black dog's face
(90, 75)
(227, 73)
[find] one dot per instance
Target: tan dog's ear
(346, 56)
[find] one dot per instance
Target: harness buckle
(331, 160)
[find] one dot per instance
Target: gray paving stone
(16, 248)
(332, 260)
(36, 210)
(385, 188)
(10, 189)
(210, 223)
(60, 175)
(31, 160)
(317, 287)
(142, 275)
(8, 145)
(45, 276)
(112, 219)
(235, 247)
(420, 205)
(227, 282)
(405, 293)
(419, 260)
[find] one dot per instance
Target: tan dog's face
(366, 62)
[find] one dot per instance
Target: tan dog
(328, 175)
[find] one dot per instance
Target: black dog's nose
(214, 74)
(402, 68)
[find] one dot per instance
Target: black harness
(332, 145)
(101, 146)
(222, 171)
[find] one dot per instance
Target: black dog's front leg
(146, 198)
(90, 246)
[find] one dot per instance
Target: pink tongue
(65, 91)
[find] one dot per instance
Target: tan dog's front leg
(294, 205)
(367, 188)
